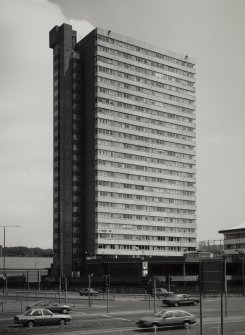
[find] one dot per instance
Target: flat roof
(241, 226)
(144, 45)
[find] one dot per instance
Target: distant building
(197, 255)
(216, 247)
(124, 150)
(234, 240)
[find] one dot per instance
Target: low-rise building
(21, 270)
(234, 240)
(215, 247)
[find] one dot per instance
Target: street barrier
(131, 331)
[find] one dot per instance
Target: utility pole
(154, 290)
(5, 287)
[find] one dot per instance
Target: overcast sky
(211, 31)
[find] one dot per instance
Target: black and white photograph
(122, 167)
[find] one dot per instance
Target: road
(123, 313)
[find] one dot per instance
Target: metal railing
(135, 331)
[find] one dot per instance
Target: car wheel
(187, 324)
(64, 311)
(195, 303)
(30, 324)
(176, 304)
(62, 322)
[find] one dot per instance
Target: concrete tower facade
(124, 149)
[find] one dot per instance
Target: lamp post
(4, 253)
(89, 288)
(242, 257)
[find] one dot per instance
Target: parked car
(54, 307)
(85, 291)
(162, 292)
(180, 299)
(173, 318)
(41, 317)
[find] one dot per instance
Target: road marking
(110, 316)
(122, 319)
(93, 331)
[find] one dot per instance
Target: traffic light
(62, 284)
(144, 282)
(149, 287)
(106, 282)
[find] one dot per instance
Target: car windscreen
(39, 303)
(28, 312)
(160, 313)
(184, 313)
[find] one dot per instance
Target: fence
(212, 328)
(153, 331)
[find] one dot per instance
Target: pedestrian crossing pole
(59, 289)
(38, 273)
(107, 300)
(65, 290)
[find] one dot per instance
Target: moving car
(54, 307)
(41, 317)
(173, 318)
(85, 291)
(180, 299)
(162, 292)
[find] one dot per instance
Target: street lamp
(4, 253)
(242, 257)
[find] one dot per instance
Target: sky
(210, 31)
